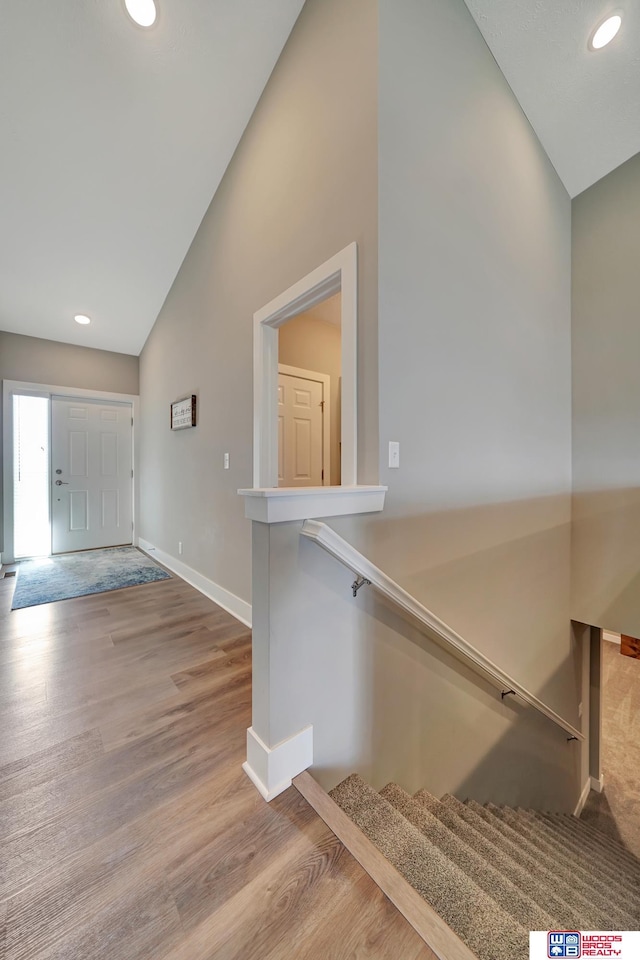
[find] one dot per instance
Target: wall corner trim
(584, 796)
(238, 608)
(597, 785)
(271, 769)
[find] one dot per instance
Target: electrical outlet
(180, 547)
(394, 454)
(226, 461)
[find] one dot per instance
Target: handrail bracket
(359, 582)
(505, 693)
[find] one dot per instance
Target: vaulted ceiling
(583, 104)
(115, 138)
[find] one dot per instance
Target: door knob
(59, 483)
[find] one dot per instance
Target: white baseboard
(584, 796)
(238, 608)
(611, 637)
(597, 785)
(271, 769)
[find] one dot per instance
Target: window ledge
(281, 504)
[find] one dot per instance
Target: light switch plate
(394, 454)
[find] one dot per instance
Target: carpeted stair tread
(622, 871)
(612, 913)
(601, 829)
(560, 876)
(553, 877)
(427, 800)
(600, 832)
(521, 907)
(480, 922)
(605, 874)
(613, 842)
(494, 873)
(598, 815)
(588, 901)
(568, 836)
(588, 827)
(535, 883)
(618, 851)
(521, 831)
(607, 896)
(611, 874)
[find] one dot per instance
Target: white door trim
(325, 380)
(11, 387)
(339, 274)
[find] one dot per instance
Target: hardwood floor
(128, 830)
(630, 646)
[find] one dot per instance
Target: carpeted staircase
(493, 874)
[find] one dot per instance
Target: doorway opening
(67, 469)
(337, 276)
(611, 807)
(31, 500)
(309, 381)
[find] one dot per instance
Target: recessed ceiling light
(80, 318)
(142, 11)
(605, 32)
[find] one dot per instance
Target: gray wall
(385, 701)
(66, 365)
(32, 359)
(474, 348)
(474, 341)
(606, 402)
(301, 186)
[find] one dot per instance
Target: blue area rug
(79, 574)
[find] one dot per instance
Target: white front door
(300, 429)
(91, 461)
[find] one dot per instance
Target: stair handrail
(368, 573)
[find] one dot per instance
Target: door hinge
(322, 404)
(132, 474)
(131, 421)
(323, 474)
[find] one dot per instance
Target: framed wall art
(183, 413)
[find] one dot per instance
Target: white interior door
(300, 431)
(91, 468)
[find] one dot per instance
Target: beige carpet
(616, 811)
(494, 873)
